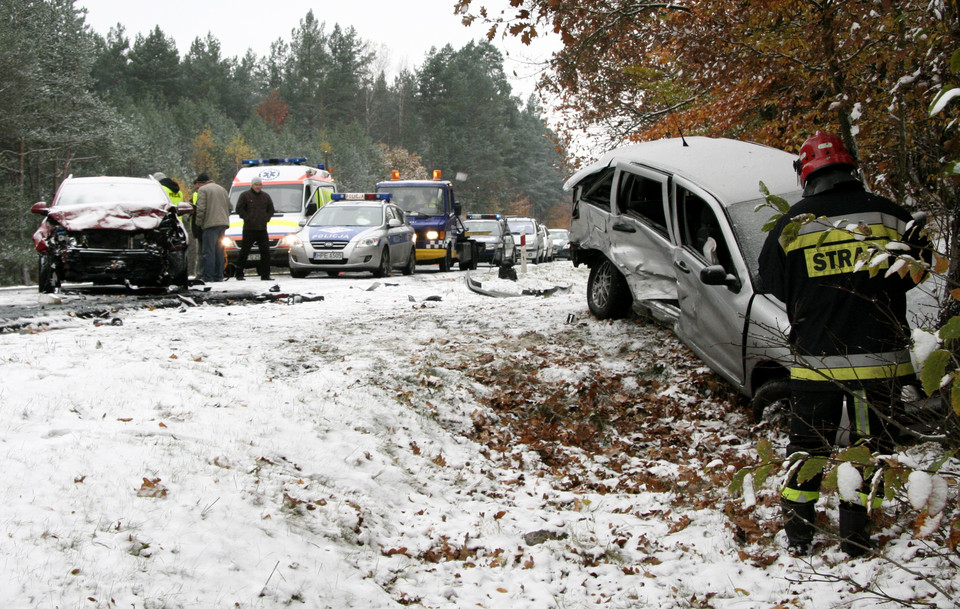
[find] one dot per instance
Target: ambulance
(297, 190)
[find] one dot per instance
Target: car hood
(336, 233)
(111, 216)
(106, 216)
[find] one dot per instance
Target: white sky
(407, 29)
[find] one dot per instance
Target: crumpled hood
(106, 216)
(111, 216)
(336, 233)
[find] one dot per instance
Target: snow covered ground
(402, 442)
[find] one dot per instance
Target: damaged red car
(111, 230)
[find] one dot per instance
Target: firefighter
(849, 332)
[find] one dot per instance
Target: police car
(490, 231)
(355, 232)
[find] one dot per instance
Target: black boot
(240, 276)
(854, 537)
(798, 525)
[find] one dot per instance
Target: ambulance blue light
(294, 160)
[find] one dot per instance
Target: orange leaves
(152, 488)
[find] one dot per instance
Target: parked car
(561, 242)
(547, 243)
(526, 232)
(355, 232)
(496, 242)
(111, 230)
(669, 228)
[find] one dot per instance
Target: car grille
(328, 245)
(112, 240)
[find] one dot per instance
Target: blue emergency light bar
(293, 160)
(483, 216)
(361, 196)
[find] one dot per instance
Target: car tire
(411, 266)
(772, 402)
(48, 277)
(446, 263)
(384, 269)
(299, 273)
(608, 295)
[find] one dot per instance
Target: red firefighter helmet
(819, 151)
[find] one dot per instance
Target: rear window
(642, 197)
(595, 189)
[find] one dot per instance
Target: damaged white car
(668, 228)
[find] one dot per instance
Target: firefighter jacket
(255, 209)
(846, 326)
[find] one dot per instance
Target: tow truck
(434, 213)
(297, 191)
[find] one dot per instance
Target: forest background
(78, 103)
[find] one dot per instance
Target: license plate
(328, 255)
(253, 256)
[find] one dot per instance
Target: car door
(711, 320)
(399, 237)
(639, 233)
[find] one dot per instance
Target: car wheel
(446, 263)
(772, 402)
(411, 265)
(299, 273)
(384, 269)
(49, 278)
(608, 294)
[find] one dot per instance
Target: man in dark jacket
(255, 208)
(849, 329)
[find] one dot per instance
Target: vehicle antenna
(679, 130)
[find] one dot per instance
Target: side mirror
(302, 222)
(717, 275)
(457, 209)
(394, 223)
(184, 209)
(39, 207)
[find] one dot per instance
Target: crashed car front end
(142, 245)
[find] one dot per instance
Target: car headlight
(291, 240)
(369, 242)
(433, 235)
(228, 243)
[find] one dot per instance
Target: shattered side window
(595, 189)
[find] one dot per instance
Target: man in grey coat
(213, 216)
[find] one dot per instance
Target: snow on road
(401, 442)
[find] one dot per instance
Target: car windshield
(558, 234)
(747, 225)
(83, 193)
(486, 227)
(521, 227)
(420, 200)
(335, 215)
(287, 198)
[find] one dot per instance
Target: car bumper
(113, 266)
(351, 258)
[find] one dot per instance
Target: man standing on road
(213, 216)
(255, 208)
(849, 329)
